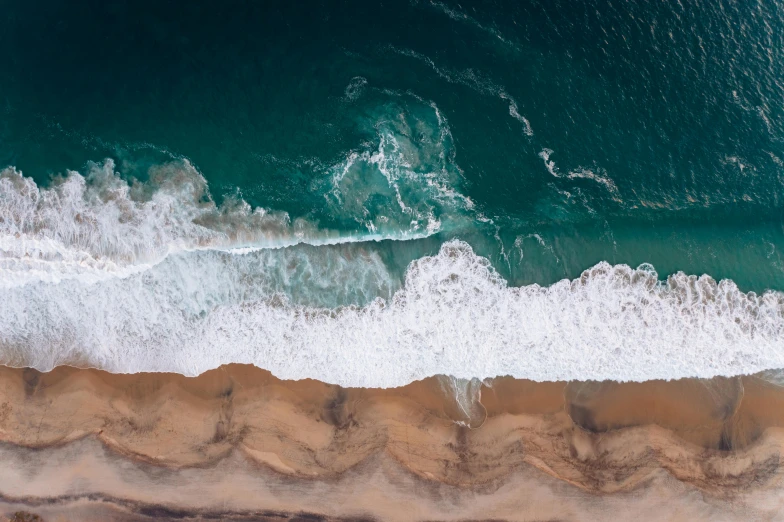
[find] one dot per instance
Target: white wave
(454, 315)
(100, 218)
(98, 225)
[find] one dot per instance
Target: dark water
(678, 106)
(549, 136)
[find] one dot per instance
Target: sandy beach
(392, 261)
(238, 444)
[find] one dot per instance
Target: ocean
(370, 193)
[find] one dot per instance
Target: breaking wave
(452, 315)
(129, 276)
(402, 184)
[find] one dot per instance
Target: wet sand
(238, 444)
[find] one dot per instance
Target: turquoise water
(544, 137)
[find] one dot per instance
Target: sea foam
(155, 276)
(102, 216)
(453, 315)
(404, 184)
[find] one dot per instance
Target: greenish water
(548, 136)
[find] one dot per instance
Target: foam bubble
(354, 88)
(454, 315)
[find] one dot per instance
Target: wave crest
(102, 216)
(454, 315)
(403, 185)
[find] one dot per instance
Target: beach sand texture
(238, 444)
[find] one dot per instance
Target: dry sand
(238, 444)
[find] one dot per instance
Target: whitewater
(156, 277)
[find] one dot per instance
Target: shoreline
(719, 438)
